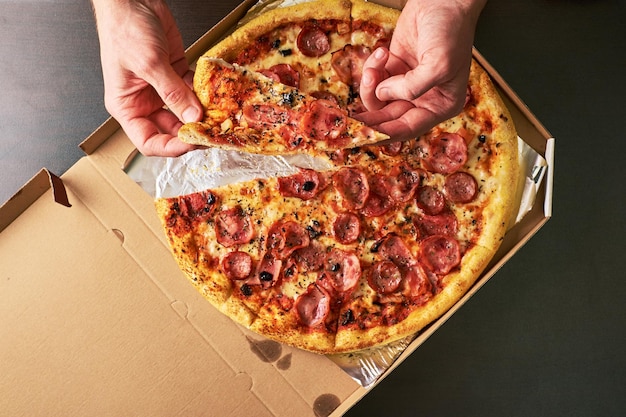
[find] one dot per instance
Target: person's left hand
(144, 68)
(421, 80)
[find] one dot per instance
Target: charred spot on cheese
(289, 271)
(288, 98)
(347, 317)
(296, 141)
(376, 245)
(314, 229)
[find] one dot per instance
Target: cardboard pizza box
(97, 319)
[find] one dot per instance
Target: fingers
(176, 93)
(409, 85)
(411, 124)
(403, 119)
(393, 110)
(373, 73)
(156, 135)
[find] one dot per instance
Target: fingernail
(382, 94)
(190, 114)
(379, 53)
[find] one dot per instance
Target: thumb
(176, 94)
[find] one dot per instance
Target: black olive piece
(308, 186)
(266, 276)
(246, 290)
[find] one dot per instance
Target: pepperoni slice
(384, 277)
(444, 223)
(304, 185)
(347, 228)
(348, 64)
(268, 270)
(391, 149)
(199, 204)
(352, 185)
(313, 41)
(233, 227)
(417, 285)
(342, 65)
(394, 249)
(261, 116)
(446, 153)
(313, 306)
(378, 201)
(324, 120)
(310, 258)
(404, 182)
(431, 200)
(440, 253)
(326, 95)
(460, 187)
(237, 265)
(286, 237)
(283, 73)
(343, 269)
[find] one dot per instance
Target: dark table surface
(547, 335)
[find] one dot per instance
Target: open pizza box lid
(97, 319)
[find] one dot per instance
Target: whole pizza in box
(366, 252)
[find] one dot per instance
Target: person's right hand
(144, 68)
(421, 80)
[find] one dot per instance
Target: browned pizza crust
(503, 174)
(267, 20)
(374, 13)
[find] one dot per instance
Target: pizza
(377, 246)
(250, 112)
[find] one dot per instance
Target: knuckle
(173, 96)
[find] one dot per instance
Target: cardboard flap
(29, 193)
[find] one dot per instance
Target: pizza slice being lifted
(250, 112)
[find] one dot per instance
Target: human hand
(144, 68)
(421, 80)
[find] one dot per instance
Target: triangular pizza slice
(250, 112)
